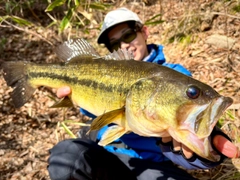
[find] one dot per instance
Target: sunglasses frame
(135, 30)
(116, 44)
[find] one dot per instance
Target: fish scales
(145, 98)
(106, 81)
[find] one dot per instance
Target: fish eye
(193, 92)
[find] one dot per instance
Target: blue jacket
(156, 56)
(149, 147)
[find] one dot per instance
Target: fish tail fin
(16, 76)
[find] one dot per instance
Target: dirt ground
(208, 45)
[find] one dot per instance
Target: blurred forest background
(202, 35)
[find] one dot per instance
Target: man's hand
(63, 91)
(226, 147)
(222, 144)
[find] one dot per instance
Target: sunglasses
(127, 37)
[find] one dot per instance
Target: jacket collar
(155, 54)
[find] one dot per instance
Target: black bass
(145, 98)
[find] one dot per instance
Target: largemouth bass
(145, 98)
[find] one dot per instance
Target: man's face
(137, 46)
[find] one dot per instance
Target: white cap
(116, 17)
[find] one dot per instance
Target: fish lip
(215, 110)
(210, 153)
(204, 117)
(220, 104)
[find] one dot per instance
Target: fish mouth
(200, 123)
(208, 117)
(219, 106)
(202, 118)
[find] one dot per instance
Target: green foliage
(220, 122)
(99, 6)
(68, 131)
(66, 20)
(63, 14)
(18, 20)
(236, 8)
(183, 30)
(71, 122)
(153, 21)
(227, 116)
(183, 38)
(55, 4)
(77, 13)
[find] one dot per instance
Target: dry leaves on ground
(28, 133)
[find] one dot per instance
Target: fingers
(63, 91)
(181, 147)
(166, 139)
(178, 147)
(224, 146)
(187, 152)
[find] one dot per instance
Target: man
(131, 156)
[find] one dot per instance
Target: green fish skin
(145, 98)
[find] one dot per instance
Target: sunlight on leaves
(68, 131)
(66, 20)
(54, 4)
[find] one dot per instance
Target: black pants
(83, 159)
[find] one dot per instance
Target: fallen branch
(26, 30)
(225, 14)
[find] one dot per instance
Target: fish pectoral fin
(107, 118)
(64, 102)
(111, 134)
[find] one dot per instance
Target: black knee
(83, 159)
(67, 160)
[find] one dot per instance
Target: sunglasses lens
(127, 37)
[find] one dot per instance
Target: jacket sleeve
(195, 162)
(178, 68)
(86, 113)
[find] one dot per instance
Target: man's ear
(145, 32)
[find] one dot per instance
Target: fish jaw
(194, 132)
(154, 109)
(201, 119)
(201, 147)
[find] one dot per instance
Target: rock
(220, 41)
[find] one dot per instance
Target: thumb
(226, 147)
(63, 91)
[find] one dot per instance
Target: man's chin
(136, 58)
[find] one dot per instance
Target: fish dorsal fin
(107, 118)
(120, 54)
(111, 134)
(74, 50)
